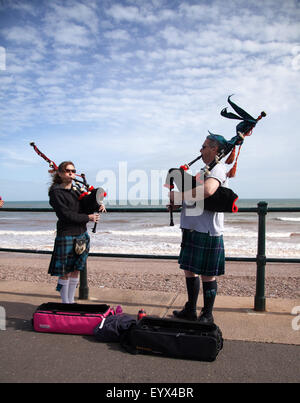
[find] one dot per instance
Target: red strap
(235, 208)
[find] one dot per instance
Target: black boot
(186, 313)
(189, 310)
(209, 294)
(206, 318)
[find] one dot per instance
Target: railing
(260, 259)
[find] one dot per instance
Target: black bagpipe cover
(88, 204)
(223, 200)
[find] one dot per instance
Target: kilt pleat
(202, 254)
(64, 259)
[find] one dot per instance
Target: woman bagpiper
(72, 241)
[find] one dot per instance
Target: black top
(67, 208)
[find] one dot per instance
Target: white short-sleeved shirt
(209, 221)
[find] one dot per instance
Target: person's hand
(175, 198)
(173, 207)
(94, 217)
(102, 208)
(1, 203)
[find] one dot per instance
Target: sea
(150, 233)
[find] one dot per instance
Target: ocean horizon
(243, 203)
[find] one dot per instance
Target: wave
(175, 232)
(153, 245)
(27, 233)
(293, 219)
(254, 235)
(161, 232)
(11, 218)
(239, 248)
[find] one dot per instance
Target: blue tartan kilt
(202, 254)
(64, 259)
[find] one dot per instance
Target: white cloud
(73, 24)
(70, 34)
(119, 13)
(201, 12)
(117, 34)
(80, 13)
(12, 156)
(24, 35)
(26, 8)
(144, 14)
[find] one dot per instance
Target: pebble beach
(282, 280)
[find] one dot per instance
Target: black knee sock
(209, 294)
(193, 286)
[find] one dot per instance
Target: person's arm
(210, 187)
(203, 191)
(211, 183)
(63, 212)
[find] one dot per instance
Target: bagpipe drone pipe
(224, 199)
(89, 197)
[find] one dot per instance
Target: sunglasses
(68, 171)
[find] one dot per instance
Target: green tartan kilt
(202, 254)
(64, 259)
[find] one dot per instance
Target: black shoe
(206, 319)
(186, 313)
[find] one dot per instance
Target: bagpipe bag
(174, 338)
(223, 200)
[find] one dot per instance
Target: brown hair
(214, 143)
(56, 179)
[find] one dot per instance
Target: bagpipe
(89, 197)
(224, 199)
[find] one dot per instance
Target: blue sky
(100, 82)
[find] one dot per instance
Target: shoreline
(282, 280)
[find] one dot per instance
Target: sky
(138, 83)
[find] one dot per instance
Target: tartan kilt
(64, 259)
(202, 254)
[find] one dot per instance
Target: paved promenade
(258, 347)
